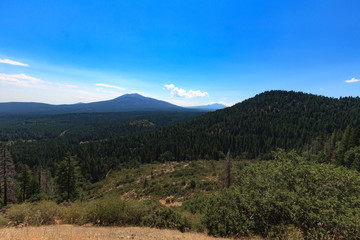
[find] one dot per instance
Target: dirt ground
(62, 232)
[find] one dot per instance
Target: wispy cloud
(179, 92)
(71, 86)
(21, 80)
(110, 86)
(352, 80)
(12, 62)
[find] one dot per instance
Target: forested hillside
(250, 129)
(86, 126)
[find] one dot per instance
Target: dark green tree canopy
(68, 178)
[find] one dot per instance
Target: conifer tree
(24, 181)
(7, 173)
(29, 185)
(68, 178)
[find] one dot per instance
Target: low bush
(19, 214)
(159, 216)
(73, 213)
(3, 221)
(39, 213)
(192, 221)
(320, 200)
(196, 204)
(108, 211)
(113, 211)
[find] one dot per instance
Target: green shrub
(192, 221)
(39, 213)
(113, 211)
(19, 214)
(74, 213)
(45, 212)
(159, 216)
(229, 214)
(3, 221)
(321, 200)
(107, 211)
(196, 204)
(287, 232)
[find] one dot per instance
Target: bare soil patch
(70, 232)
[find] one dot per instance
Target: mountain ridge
(124, 103)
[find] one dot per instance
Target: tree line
(29, 185)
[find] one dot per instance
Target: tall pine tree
(29, 186)
(68, 178)
(7, 173)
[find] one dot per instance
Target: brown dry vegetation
(164, 180)
(62, 232)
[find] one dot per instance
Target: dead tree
(46, 181)
(227, 178)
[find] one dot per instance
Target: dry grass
(62, 232)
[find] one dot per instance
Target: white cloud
(110, 86)
(71, 86)
(179, 92)
(11, 62)
(352, 80)
(21, 80)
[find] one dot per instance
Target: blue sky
(184, 52)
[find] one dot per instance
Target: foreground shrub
(39, 213)
(113, 211)
(3, 221)
(19, 214)
(109, 211)
(321, 200)
(73, 213)
(196, 204)
(159, 216)
(192, 222)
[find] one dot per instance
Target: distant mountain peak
(123, 103)
(131, 95)
(209, 107)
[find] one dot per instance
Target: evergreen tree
(355, 137)
(29, 185)
(24, 181)
(343, 146)
(68, 178)
(7, 173)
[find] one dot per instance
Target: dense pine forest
(291, 164)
